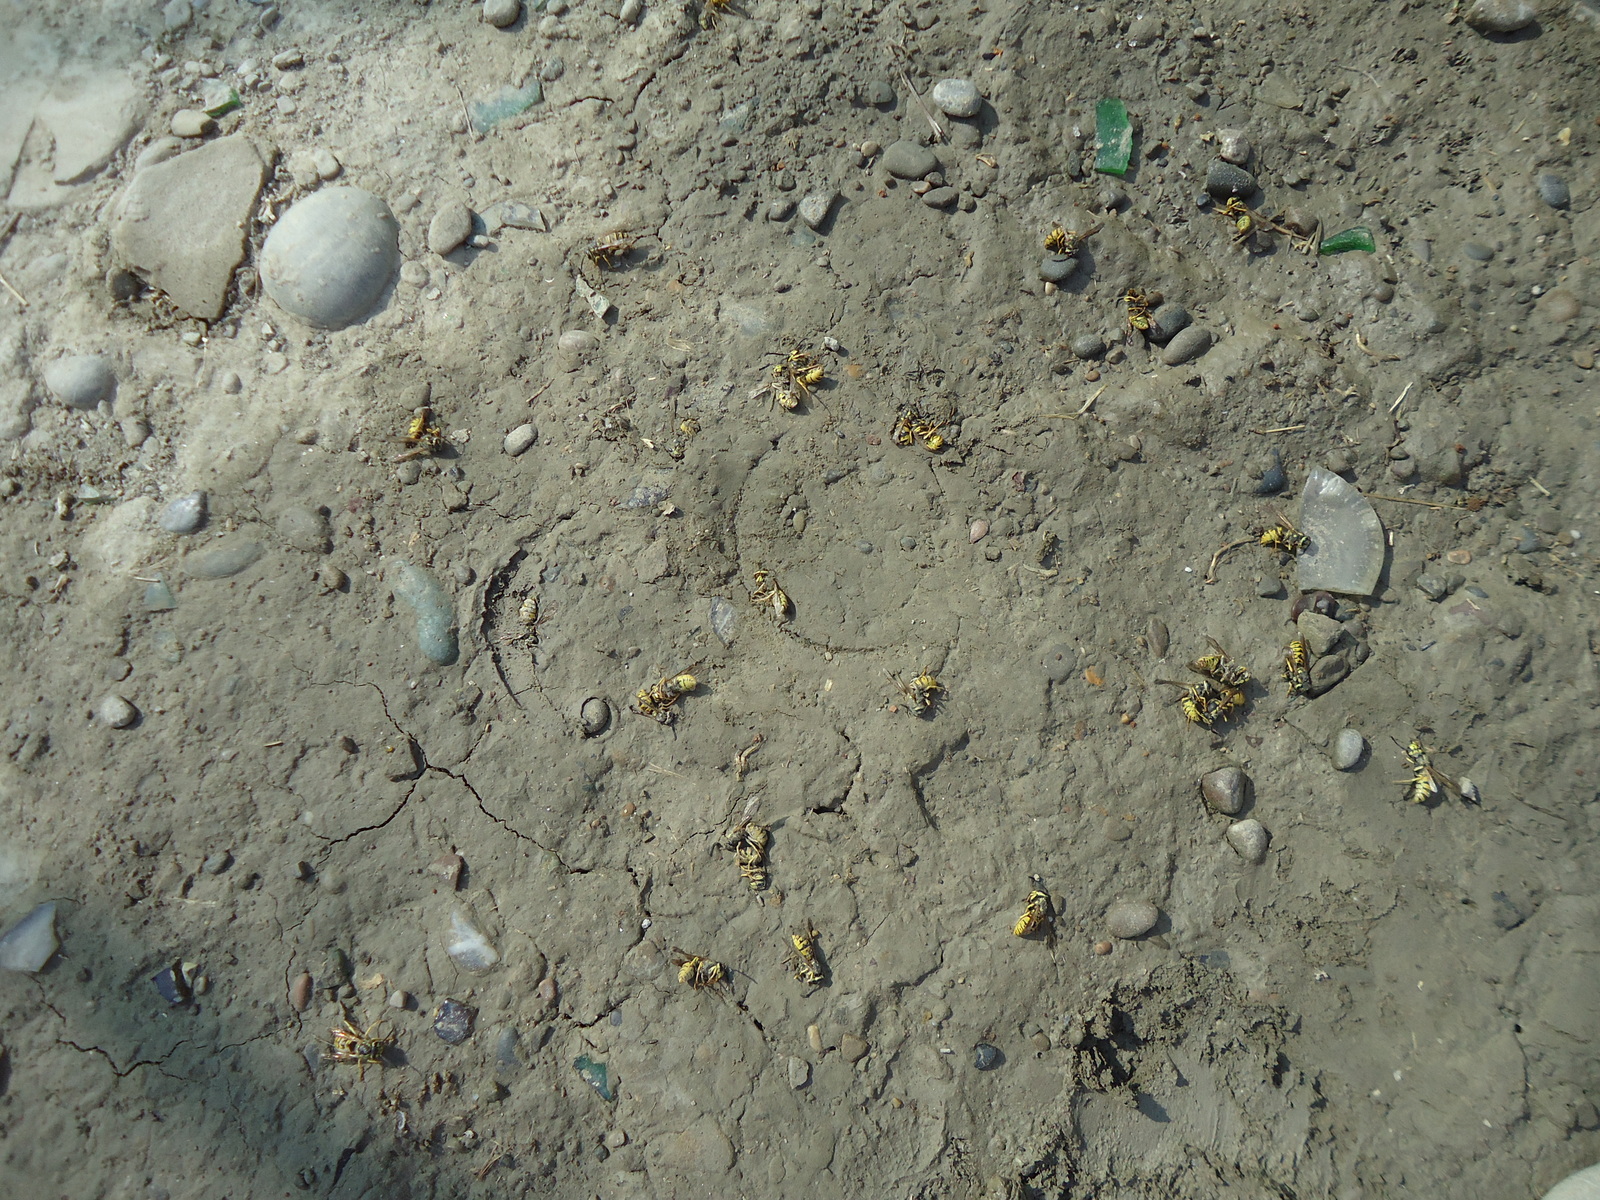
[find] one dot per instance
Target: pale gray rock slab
(181, 224)
(89, 118)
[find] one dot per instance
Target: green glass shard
(1115, 136)
(1358, 238)
(507, 102)
(226, 105)
(595, 1074)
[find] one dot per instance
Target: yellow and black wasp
(1205, 703)
(1062, 241)
(922, 694)
(1297, 667)
(698, 971)
(1427, 782)
(1220, 667)
(422, 437)
(1038, 916)
(749, 842)
(1139, 304)
(1244, 221)
(658, 699)
(767, 592)
(1282, 536)
(804, 958)
(610, 251)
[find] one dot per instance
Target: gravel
(329, 259)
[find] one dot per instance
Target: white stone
(330, 258)
(1131, 918)
(1348, 748)
(1499, 16)
(115, 711)
(815, 207)
(957, 97)
(450, 228)
(501, 13)
(80, 380)
(1248, 839)
(578, 341)
(799, 1072)
(29, 944)
(185, 514)
(191, 123)
(519, 439)
(1233, 146)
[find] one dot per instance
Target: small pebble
(191, 123)
(1248, 839)
(814, 208)
(1273, 479)
(1322, 633)
(909, 160)
(1477, 251)
(852, 1048)
(1168, 321)
(1268, 589)
(1088, 345)
(1552, 189)
(115, 711)
(452, 1022)
(519, 439)
(300, 992)
(1157, 636)
(450, 228)
(1225, 790)
(977, 531)
(1499, 16)
(501, 13)
(870, 149)
(216, 864)
(1559, 305)
(80, 380)
(957, 97)
(1459, 558)
(1190, 343)
(1233, 147)
(985, 1057)
(1055, 268)
(1224, 179)
(1129, 919)
(185, 514)
(1348, 749)
(399, 999)
(940, 197)
(799, 1072)
(594, 716)
(814, 1038)
(578, 341)
(630, 12)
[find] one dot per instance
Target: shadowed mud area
(707, 344)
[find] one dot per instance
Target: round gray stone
(1088, 345)
(185, 514)
(909, 160)
(1552, 189)
(1131, 918)
(1054, 268)
(1224, 179)
(501, 13)
(330, 258)
(115, 711)
(1225, 790)
(1248, 839)
(814, 208)
(519, 439)
(450, 228)
(1168, 321)
(1190, 343)
(1233, 146)
(1499, 16)
(80, 380)
(940, 197)
(1348, 749)
(957, 97)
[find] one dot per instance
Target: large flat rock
(182, 223)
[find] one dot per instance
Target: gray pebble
(879, 474)
(957, 97)
(1248, 839)
(452, 1022)
(1321, 633)
(1225, 790)
(399, 999)
(879, 93)
(940, 197)
(594, 716)
(799, 1072)
(985, 1057)
(519, 439)
(1054, 268)
(1432, 586)
(780, 209)
(216, 864)
(221, 561)
(501, 13)
(1131, 918)
(1477, 251)
(909, 160)
(631, 11)
(1327, 673)
(115, 711)
(1348, 749)
(191, 123)
(450, 228)
(408, 472)
(1190, 343)
(1233, 147)
(1499, 16)
(80, 380)
(1267, 589)
(1224, 179)
(815, 207)
(1168, 321)
(329, 258)
(1088, 345)
(578, 341)
(1552, 189)
(185, 514)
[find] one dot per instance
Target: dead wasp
(364, 1047)
(927, 432)
(698, 971)
(712, 12)
(529, 618)
(1205, 703)
(658, 699)
(1282, 536)
(1037, 916)
(803, 957)
(1426, 781)
(1220, 667)
(1244, 221)
(767, 592)
(1139, 303)
(421, 435)
(922, 694)
(1062, 241)
(793, 377)
(1297, 667)
(749, 842)
(611, 250)
(914, 425)
(904, 431)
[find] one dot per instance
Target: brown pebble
(629, 809)
(448, 868)
(1091, 375)
(300, 992)
(1041, 1041)
(547, 989)
(852, 1048)
(1102, 947)
(1460, 557)
(1583, 359)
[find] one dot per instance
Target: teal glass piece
(595, 1074)
(505, 103)
(1115, 137)
(1358, 238)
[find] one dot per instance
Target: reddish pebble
(547, 989)
(300, 992)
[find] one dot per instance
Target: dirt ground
(1401, 999)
